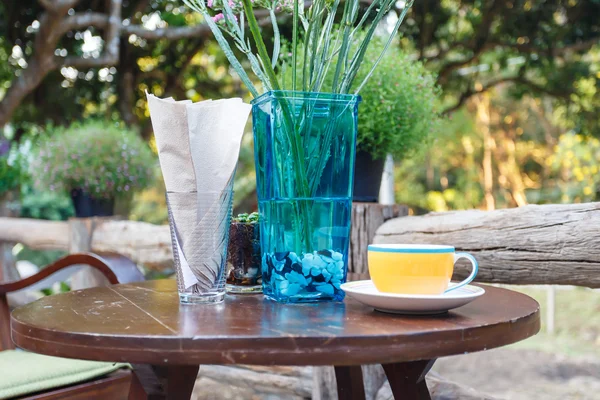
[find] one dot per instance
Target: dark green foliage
(10, 175)
(56, 206)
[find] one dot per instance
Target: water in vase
(294, 273)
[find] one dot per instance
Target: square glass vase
(305, 146)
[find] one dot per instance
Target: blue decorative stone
(327, 289)
(306, 268)
(328, 260)
(332, 268)
(282, 284)
(292, 289)
(320, 273)
(325, 253)
(318, 262)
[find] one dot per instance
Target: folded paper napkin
(198, 148)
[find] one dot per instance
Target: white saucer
(366, 293)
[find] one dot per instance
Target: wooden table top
(144, 323)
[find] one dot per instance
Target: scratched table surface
(144, 323)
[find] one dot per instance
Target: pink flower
(218, 17)
(209, 3)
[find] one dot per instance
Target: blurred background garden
(483, 104)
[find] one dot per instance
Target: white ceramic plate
(366, 293)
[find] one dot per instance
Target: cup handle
(458, 256)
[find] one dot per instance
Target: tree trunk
(39, 65)
(483, 115)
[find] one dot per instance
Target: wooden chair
(117, 269)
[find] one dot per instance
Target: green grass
(577, 322)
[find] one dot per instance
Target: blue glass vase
(304, 147)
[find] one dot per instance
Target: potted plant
(304, 132)
(243, 255)
(399, 112)
(96, 162)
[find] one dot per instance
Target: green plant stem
(260, 44)
(351, 72)
(294, 43)
(276, 39)
(344, 48)
(304, 213)
(407, 6)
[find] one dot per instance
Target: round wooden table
(145, 325)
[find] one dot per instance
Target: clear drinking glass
(199, 224)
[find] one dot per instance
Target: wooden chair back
(116, 268)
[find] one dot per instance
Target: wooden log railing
(537, 244)
(144, 243)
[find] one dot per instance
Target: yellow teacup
(415, 268)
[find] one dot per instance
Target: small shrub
(103, 159)
(400, 108)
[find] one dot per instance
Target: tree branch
(478, 42)
(47, 4)
(564, 94)
(66, 3)
(166, 33)
(58, 5)
(467, 94)
(84, 20)
(100, 21)
(112, 39)
(84, 63)
(551, 52)
(110, 53)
